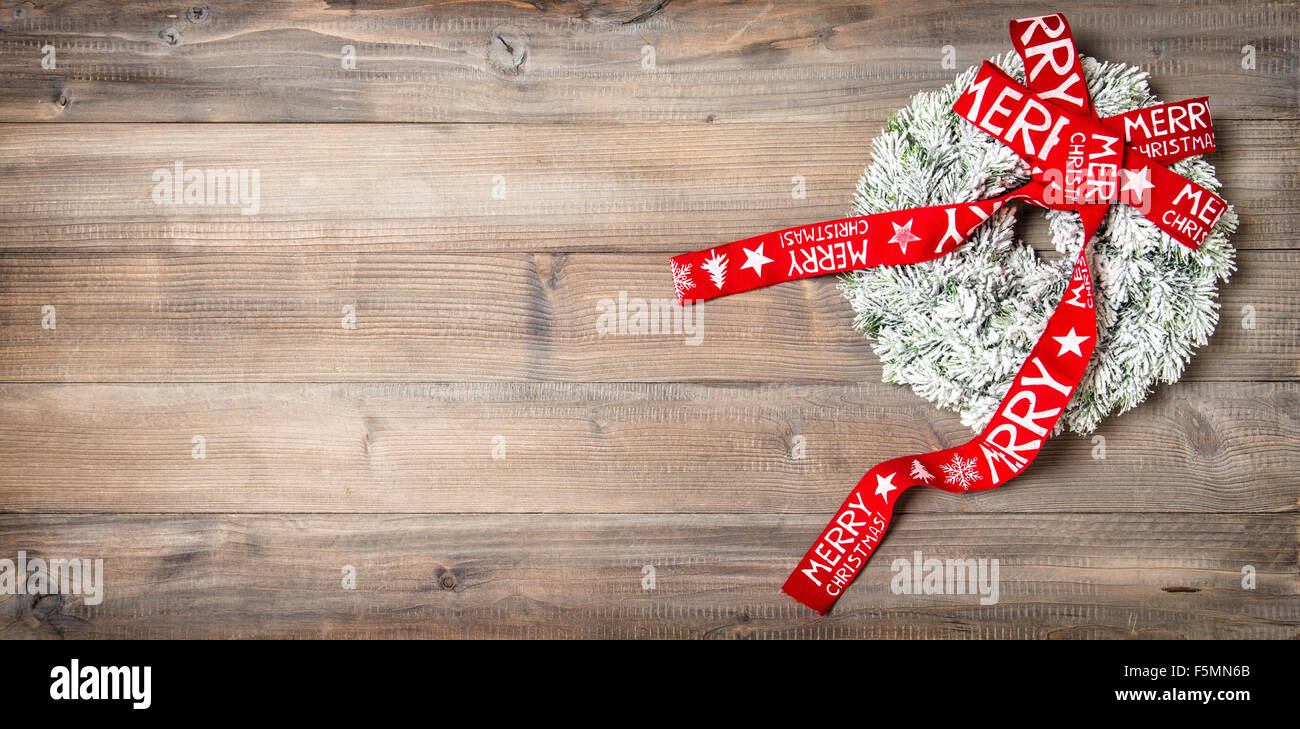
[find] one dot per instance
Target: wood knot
(198, 14)
(648, 13)
(447, 581)
(45, 607)
(548, 267)
(170, 36)
(509, 50)
(1202, 436)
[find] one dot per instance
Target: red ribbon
(1078, 161)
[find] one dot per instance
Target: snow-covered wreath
(956, 329)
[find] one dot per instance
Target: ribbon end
(683, 280)
(800, 596)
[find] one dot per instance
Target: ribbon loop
(1167, 132)
(1081, 161)
(1052, 65)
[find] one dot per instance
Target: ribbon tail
(1008, 444)
(894, 238)
(1091, 216)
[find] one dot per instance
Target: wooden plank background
(614, 134)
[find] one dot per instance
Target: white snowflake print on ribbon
(919, 472)
(682, 279)
(962, 471)
(716, 265)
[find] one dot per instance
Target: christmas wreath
(957, 328)
(976, 321)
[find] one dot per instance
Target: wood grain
(520, 163)
(578, 60)
(271, 316)
(572, 448)
(537, 576)
(430, 188)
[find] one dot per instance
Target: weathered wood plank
(475, 257)
(280, 316)
(604, 449)
(467, 188)
(716, 576)
(580, 60)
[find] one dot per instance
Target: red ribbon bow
(1079, 161)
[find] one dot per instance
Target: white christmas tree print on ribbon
(919, 473)
(716, 266)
